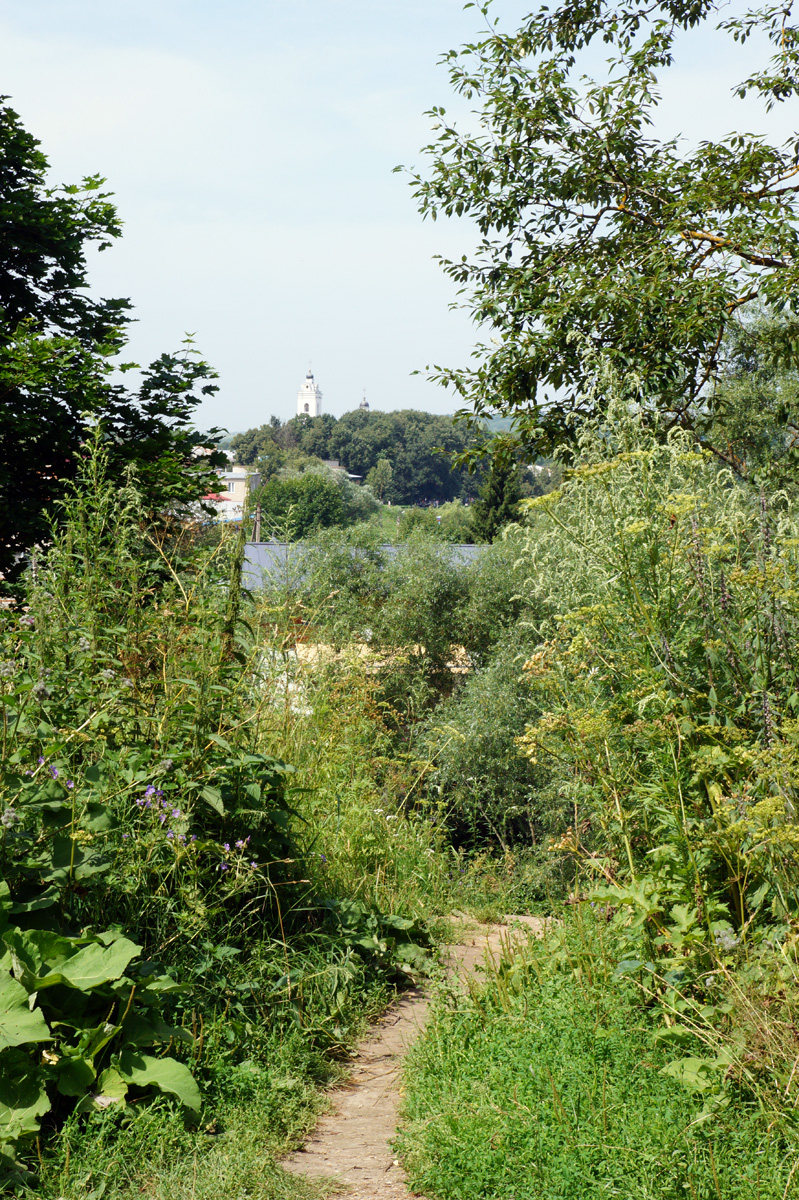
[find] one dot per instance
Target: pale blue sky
(250, 146)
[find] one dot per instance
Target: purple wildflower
(170, 834)
(226, 847)
(70, 784)
(149, 790)
(54, 772)
(40, 761)
(175, 812)
(194, 837)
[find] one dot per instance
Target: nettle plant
(669, 690)
(137, 818)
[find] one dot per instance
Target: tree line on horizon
(406, 456)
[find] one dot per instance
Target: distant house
(230, 501)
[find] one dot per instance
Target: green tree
(420, 447)
(597, 236)
(59, 351)
(754, 415)
(294, 507)
(498, 503)
(380, 476)
(248, 447)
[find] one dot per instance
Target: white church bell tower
(309, 398)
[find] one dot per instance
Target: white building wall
(309, 398)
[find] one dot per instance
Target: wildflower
(8, 669)
(194, 837)
(254, 866)
(175, 812)
(323, 858)
(226, 847)
(40, 761)
(84, 644)
(242, 845)
(70, 784)
(9, 818)
(182, 839)
(149, 790)
(166, 766)
(54, 772)
(170, 834)
(162, 817)
(224, 867)
(107, 674)
(726, 941)
(125, 835)
(41, 691)
(125, 682)
(27, 622)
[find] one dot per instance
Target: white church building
(309, 398)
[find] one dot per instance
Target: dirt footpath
(350, 1145)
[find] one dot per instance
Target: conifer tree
(498, 504)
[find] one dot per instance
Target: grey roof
(282, 562)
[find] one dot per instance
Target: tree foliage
(417, 448)
(498, 502)
(59, 350)
(596, 235)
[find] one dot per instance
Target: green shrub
(486, 788)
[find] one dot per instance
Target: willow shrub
(668, 687)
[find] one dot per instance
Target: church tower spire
(309, 398)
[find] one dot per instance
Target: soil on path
(350, 1147)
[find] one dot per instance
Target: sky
(250, 148)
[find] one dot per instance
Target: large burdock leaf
(42, 959)
(164, 1073)
(18, 1024)
(97, 964)
(23, 1099)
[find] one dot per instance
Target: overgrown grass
(255, 1112)
(549, 1082)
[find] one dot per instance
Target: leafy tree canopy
(415, 448)
(59, 365)
(597, 238)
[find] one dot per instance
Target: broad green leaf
(695, 1073)
(75, 1075)
(164, 1073)
(23, 1099)
(42, 959)
(68, 859)
(98, 818)
(18, 1024)
(45, 898)
(213, 796)
(111, 1089)
(96, 964)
